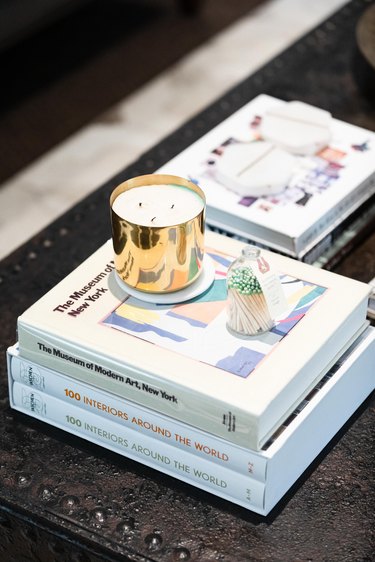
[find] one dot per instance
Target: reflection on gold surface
(158, 259)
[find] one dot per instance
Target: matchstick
(248, 312)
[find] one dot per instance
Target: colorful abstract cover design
(313, 174)
(197, 328)
(323, 188)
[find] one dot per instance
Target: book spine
(212, 416)
(135, 417)
(165, 458)
(335, 216)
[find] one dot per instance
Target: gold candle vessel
(158, 232)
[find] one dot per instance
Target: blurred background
(88, 85)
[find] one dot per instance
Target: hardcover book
(254, 480)
(180, 359)
(318, 190)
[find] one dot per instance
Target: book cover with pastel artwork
(282, 181)
(195, 329)
(180, 359)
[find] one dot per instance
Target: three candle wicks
(140, 204)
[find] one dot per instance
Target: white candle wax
(158, 205)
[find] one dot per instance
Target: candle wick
(172, 206)
(152, 220)
(140, 204)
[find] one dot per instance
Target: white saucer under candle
(158, 232)
(195, 289)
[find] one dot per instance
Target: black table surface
(63, 499)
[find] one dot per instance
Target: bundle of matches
(248, 312)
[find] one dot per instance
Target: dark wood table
(63, 499)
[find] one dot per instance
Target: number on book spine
(71, 394)
(73, 421)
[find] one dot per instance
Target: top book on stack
(284, 181)
(180, 359)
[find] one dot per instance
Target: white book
(323, 188)
(136, 417)
(140, 447)
(312, 426)
(180, 359)
(255, 464)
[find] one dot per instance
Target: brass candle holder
(158, 232)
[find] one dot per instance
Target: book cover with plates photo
(281, 174)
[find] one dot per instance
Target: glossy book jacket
(180, 359)
(319, 191)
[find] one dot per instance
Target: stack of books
(171, 387)
(320, 201)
